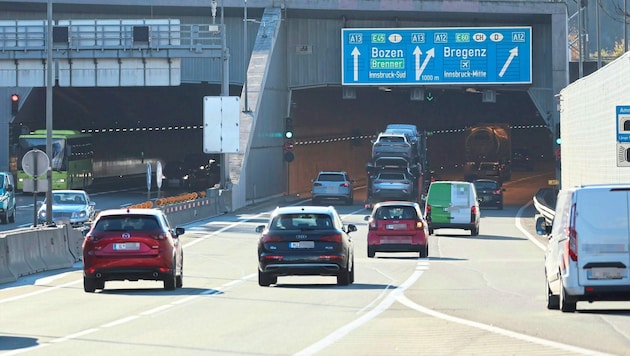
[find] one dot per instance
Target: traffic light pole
(49, 113)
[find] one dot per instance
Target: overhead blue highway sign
(430, 56)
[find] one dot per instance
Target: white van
(454, 205)
(588, 256)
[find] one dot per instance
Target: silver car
(332, 185)
(395, 185)
(69, 206)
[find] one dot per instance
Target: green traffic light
(288, 135)
(558, 141)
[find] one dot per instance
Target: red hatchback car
(397, 226)
(130, 245)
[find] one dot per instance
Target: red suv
(397, 226)
(132, 244)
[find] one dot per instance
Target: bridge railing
(28, 39)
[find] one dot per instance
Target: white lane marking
(344, 330)
(156, 310)
(73, 336)
(48, 289)
(493, 329)
(517, 222)
(120, 321)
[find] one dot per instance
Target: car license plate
(127, 246)
(396, 240)
(605, 273)
(302, 244)
(396, 227)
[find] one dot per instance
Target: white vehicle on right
(588, 253)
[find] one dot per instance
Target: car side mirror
(542, 226)
(260, 228)
(351, 228)
(179, 231)
(9, 188)
(92, 203)
(366, 218)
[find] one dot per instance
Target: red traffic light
(15, 104)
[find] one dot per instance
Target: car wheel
(474, 231)
(568, 304)
(352, 272)
(553, 300)
(500, 207)
(431, 231)
(343, 278)
(3, 220)
(179, 280)
(170, 281)
(371, 252)
(266, 279)
(89, 285)
(12, 217)
(99, 284)
(424, 251)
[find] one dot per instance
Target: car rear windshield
(392, 139)
(391, 176)
(127, 223)
(325, 177)
(486, 185)
(396, 213)
(301, 221)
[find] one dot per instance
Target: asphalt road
(472, 295)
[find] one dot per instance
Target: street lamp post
(245, 58)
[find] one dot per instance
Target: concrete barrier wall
(24, 254)
(6, 275)
(31, 250)
(54, 247)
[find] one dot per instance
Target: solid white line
(120, 321)
(48, 289)
(344, 330)
(493, 329)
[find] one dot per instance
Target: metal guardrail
(545, 202)
(95, 38)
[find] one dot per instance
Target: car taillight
(373, 224)
(162, 236)
(270, 238)
(419, 225)
(317, 184)
(427, 212)
(572, 242)
(498, 191)
(473, 214)
(331, 238)
(345, 184)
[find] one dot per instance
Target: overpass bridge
(284, 59)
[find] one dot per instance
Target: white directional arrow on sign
(418, 53)
(513, 53)
(355, 54)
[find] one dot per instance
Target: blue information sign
(623, 123)
(426, 56)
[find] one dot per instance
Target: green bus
(71, 160)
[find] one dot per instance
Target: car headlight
(80, 214)
(42, 215)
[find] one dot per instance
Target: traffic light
(15, 104)
(288, 128)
